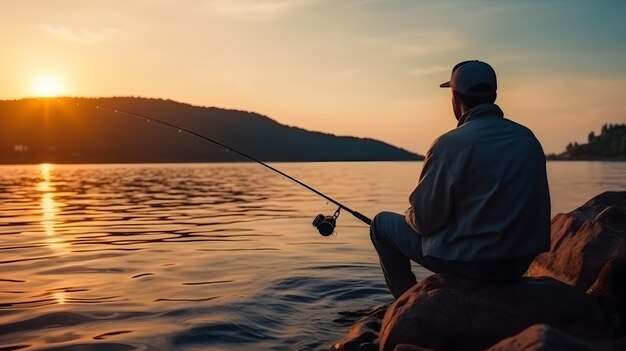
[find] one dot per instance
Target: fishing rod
(325, 224)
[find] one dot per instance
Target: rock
(542, 337)
(589, 252)
(608, 198)
(444, 313)
(363, 335)
(610, 290)
(620, 344)
(406, 347)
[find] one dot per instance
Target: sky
(367, 68)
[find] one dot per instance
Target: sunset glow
(48, 85)
(362, 68)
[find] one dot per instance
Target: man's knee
(376, 228)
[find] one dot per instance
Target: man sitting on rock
(481, 209)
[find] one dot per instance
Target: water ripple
(205, 256)
(222, 333)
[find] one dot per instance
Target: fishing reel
(326, 224)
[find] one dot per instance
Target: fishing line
(181, 138)
(324, 224)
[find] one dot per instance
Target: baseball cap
(472, 78)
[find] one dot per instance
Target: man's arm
(432, 200)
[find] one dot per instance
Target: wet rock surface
(363, 335)
(542, 337)
(574, 297)
(589, 252)
(444, 313)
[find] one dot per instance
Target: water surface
(203, 256)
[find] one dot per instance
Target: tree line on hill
(74, 130)
(610, 144)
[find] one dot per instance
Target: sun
(48, 85)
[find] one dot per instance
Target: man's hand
(409, 217)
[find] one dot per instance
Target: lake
(204, 256)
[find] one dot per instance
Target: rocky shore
(572, 298)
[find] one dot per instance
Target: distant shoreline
(588, 159)
(251, 162)
(190, 163)
(83, 130)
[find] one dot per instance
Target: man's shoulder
(469, 134)
(520, 128)
(451, 141)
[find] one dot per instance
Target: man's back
(494, 178)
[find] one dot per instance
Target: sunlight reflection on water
(205, 256)
(49, 209)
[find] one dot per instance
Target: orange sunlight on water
(49, 209)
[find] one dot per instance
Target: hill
(609, 145)
(73, 130)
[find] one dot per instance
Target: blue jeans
(397, 244)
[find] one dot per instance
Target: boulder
(407, 347)
(444, 313)
(363, 335)
(588, 251)
(542, 337)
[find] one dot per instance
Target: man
(481, 209)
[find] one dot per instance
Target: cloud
(507, 58)
(419, 43)
(423, 71)
(430, 42)
(255, 8)
(82, 36)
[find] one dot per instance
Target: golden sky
(367, 68)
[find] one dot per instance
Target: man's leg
(396, 244)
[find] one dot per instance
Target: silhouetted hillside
(609, 145)
(73, 130)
